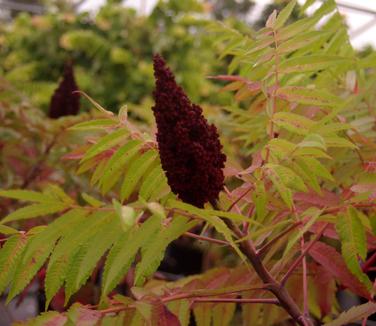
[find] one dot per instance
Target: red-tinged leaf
(365, 187)
(308, 96)
(354, 314)
(325, 289)
(180, 308)
(243, 93)
(242, 276)
(329, 232)
(252, 86)
(30, 151)
(256, 163)
(312, 198)
(311, 111)
(213, 279)
(239, 193)
(57, 302)
(369, 166)
(333, 262)
(233, 86)
(217, 278)
(81, 316)
(77, 154)
(230, 171)
(50, 318)
(165, 317)
(20, 168)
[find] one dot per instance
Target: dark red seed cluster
(63, 101)
(189, 147)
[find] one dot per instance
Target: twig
(370, 261)
(208, 239)
(336, 209)
(305, 283)
(239, 198)
(302, 255)
(231, 300)
(181, 296)
(36, 167)
(116, 309)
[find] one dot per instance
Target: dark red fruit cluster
(63, 101)
(189, 147)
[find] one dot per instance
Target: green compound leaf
(105, 143)
(10, 254)
(35, 210)
(153, 253)
(124, 252)
(136, 172)
(353, 243)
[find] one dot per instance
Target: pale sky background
(356, 20)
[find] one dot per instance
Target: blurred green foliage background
(112, 49)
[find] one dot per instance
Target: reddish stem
(180, 296)
(37, 166)
(370, 261)
(336, 209)
(208, 239)
(239, 198)
(305, 283)
(231, 300)
(116, 309)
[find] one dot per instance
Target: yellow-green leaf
(105, 143)
(34, 210)
(308, 96)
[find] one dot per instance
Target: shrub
(295, 221)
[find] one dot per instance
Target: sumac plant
(290, 219)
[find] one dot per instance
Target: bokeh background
(111, 43)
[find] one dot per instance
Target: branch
(284, 298)
(277, 289)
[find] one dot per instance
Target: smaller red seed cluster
(189, 147)
(63, 101)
